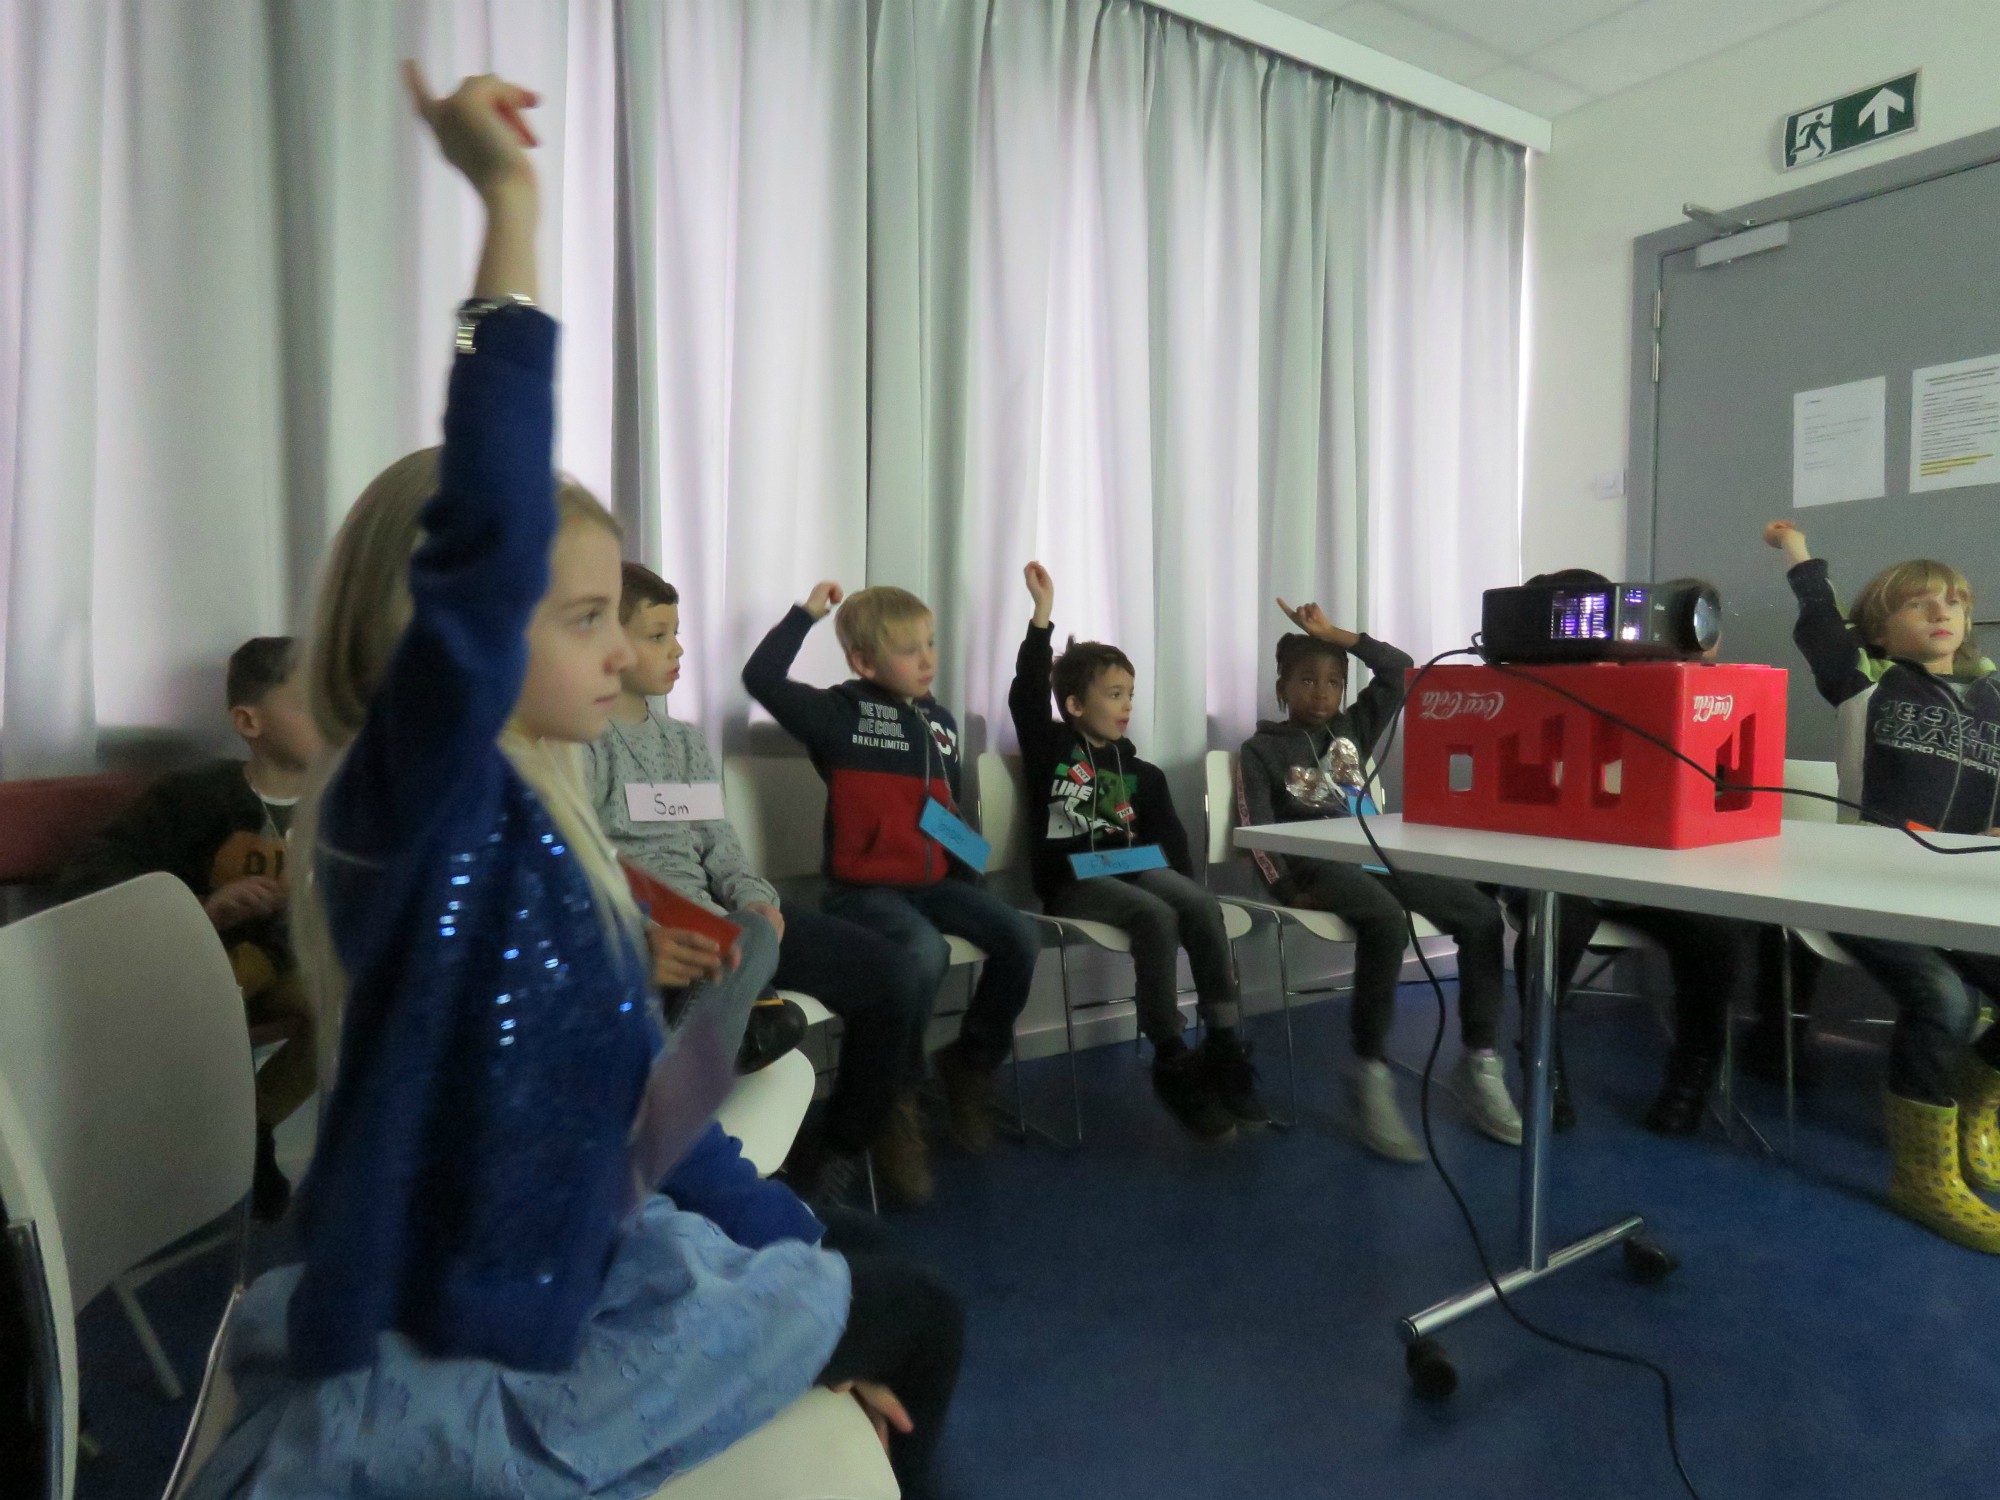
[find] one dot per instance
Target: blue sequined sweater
(471, 1171)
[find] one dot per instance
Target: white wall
(1708, 134)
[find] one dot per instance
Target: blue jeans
(1935, 1012)
(916, 919)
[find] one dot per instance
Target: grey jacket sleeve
(730, 877)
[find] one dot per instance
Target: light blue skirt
(694, 1342)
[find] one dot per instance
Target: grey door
(1883, 286)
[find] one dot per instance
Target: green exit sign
(1859, 119)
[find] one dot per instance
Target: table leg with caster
(1430, 1368)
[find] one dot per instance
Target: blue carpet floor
(1155, 1318)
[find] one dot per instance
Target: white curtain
(1193, 325)
(228, 260)
(911, 291)
(748, 444)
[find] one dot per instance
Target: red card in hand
(667, 908)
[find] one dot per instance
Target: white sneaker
(1380, 1123)
(1479, 1082)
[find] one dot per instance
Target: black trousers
(863, 978)
(905, 1330)
(1708, 956)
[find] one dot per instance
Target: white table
(1872, 882)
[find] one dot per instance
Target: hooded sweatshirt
(1287, 773)
(1915, 747)
(882, 759)
(1082, 798)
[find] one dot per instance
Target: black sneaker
(270, 1191)
(776, 1026)
(1684, 1095)
(1233, 1080)
(1182, 1083)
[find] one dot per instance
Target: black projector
(1677, 621)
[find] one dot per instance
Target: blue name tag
(959, 841)
(1361, 804)
(1127, 861)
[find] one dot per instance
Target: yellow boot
(1979, 1122)
(1925, 1183)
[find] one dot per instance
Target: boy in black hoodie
(1919, 711)
(1090, 795)
(1313, 764)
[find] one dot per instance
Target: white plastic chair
(34, 1237)
(765, 1109)
(122, 1036)
(1003, 804)
(1220, 803)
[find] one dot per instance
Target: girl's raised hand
(479, 128)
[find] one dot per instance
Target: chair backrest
(34, 1239)
(42, 821)
(1812, 776)
(1219, 799)
(122, 1038)
(1001, 797)
(777, 805)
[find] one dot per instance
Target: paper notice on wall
(1955, 425)
(1838, 448)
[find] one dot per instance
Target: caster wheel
(1432, 1373)
(1646, 1261)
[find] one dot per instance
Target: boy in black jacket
(222, 829)
(1096, 797)
(1919, 709)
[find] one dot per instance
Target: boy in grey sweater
(855, 973)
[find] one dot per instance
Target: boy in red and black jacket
(887, 750)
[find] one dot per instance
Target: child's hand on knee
(684, 958)
(884, 1411)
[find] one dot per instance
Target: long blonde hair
(363, 608)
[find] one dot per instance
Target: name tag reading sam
(674, 801)
(942, 824)
(1126, 861)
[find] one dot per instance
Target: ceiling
(1550, 56)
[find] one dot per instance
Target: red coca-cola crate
(1490, 749)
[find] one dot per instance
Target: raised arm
(482, 567)
(1841, 666)
(1028, 695)
(1386, 665)
(803, 711)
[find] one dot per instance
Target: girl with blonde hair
(517, 1275)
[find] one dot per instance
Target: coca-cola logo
(1449, 703)
(1713, 706)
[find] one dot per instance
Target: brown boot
(902, 1160)
(968, 1093)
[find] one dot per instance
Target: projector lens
(1705, 620)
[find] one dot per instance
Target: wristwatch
(472, 309)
